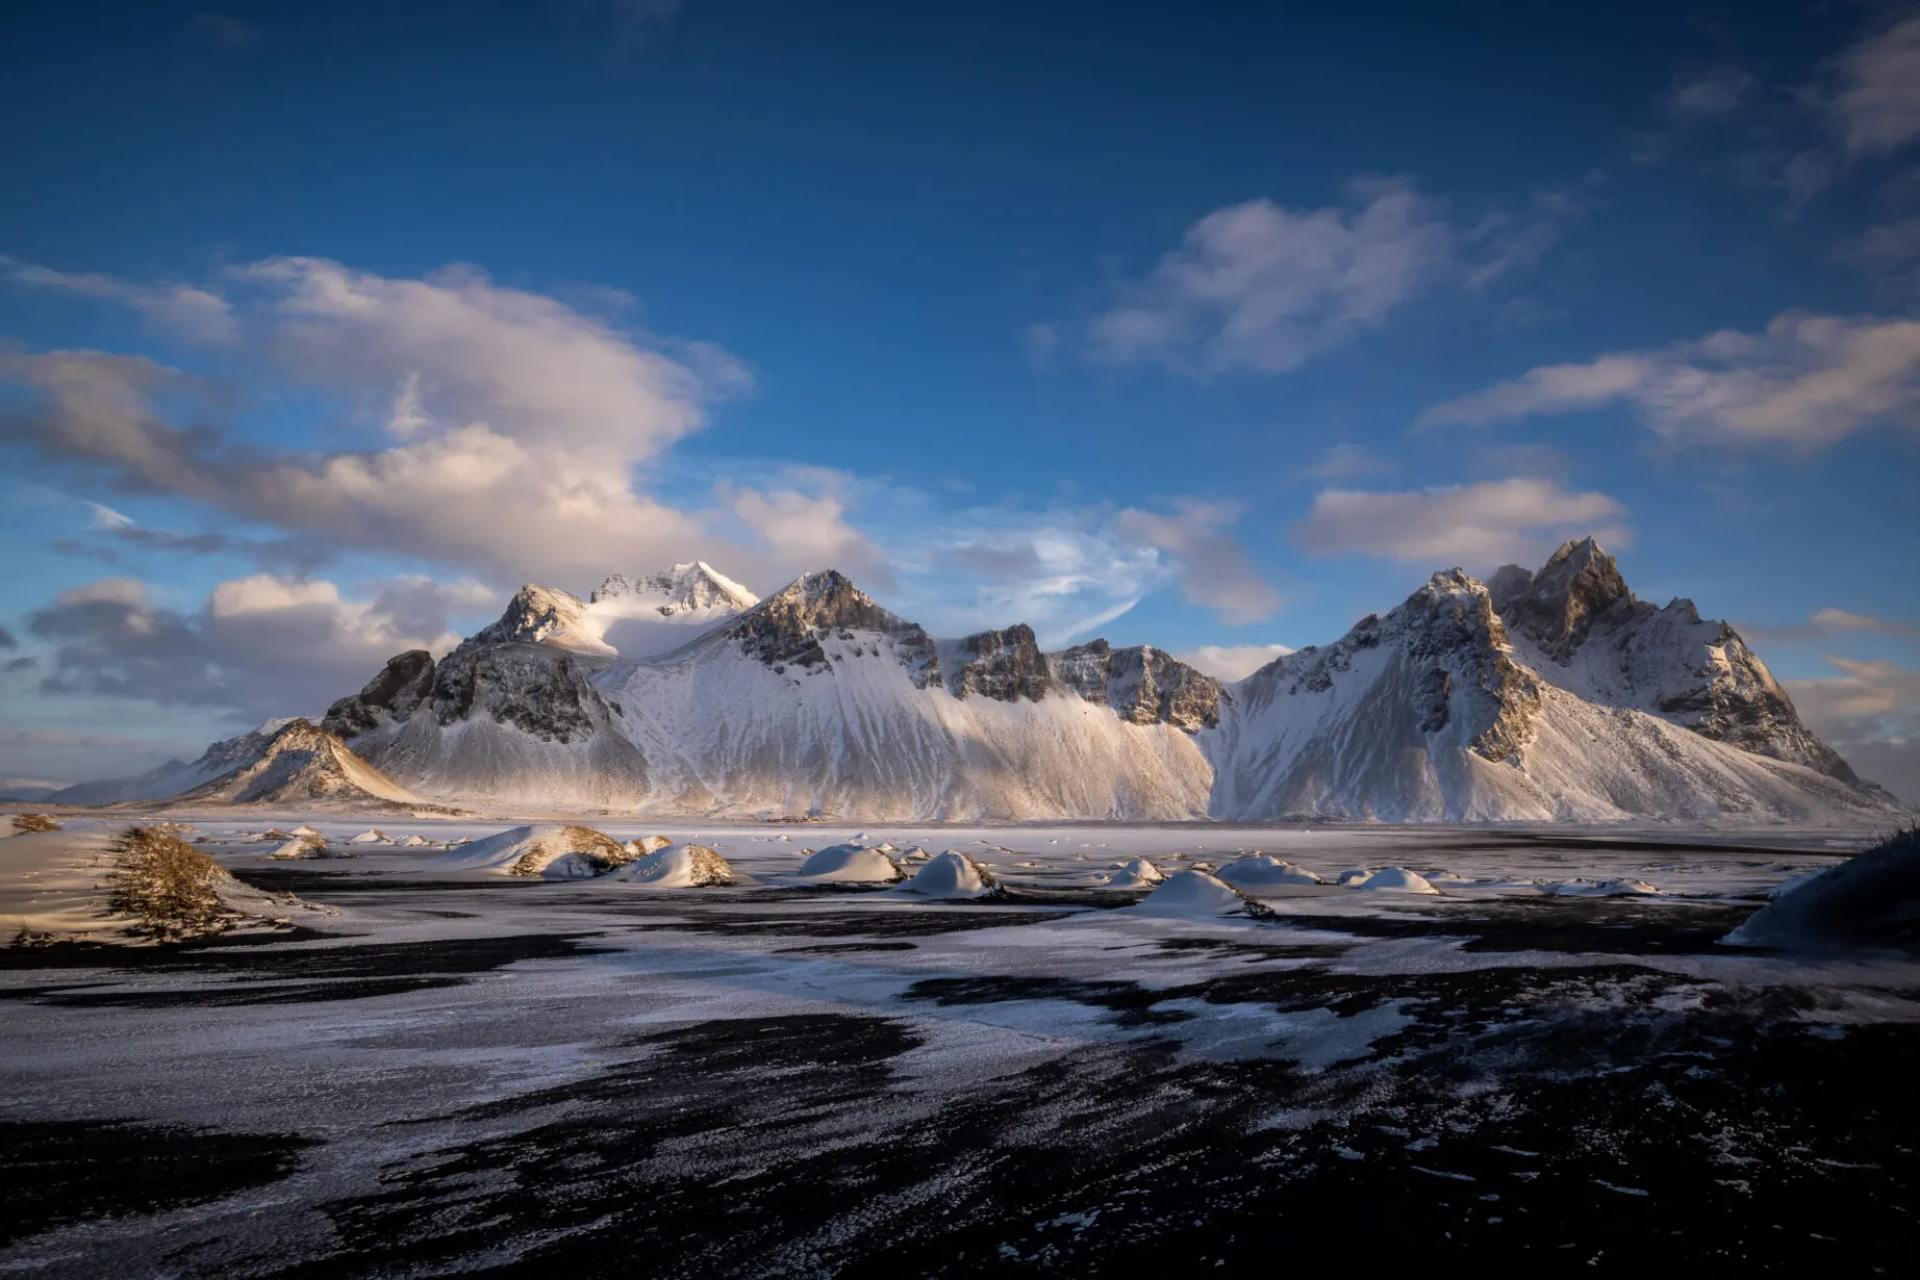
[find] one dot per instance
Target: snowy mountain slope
(819, 701)
(298, 764)
(543, 615)
(1428, 715)
(175, 776)
(695, 592)
(1577, 624)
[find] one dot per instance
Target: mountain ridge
(1538, 695)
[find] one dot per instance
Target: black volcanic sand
(1707, 1142)
(1603, 1117)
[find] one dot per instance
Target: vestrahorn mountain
(1536, 696)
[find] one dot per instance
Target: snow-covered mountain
(695, 591)
(1549, 695)
(1578, 626)
(1432, 713)
(175, 776)
(299, 764)
(281, 762)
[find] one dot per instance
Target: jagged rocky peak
(1557, 606)
(544, 615)
(792, 627)
(999, 664)
(1582, 628)
(1456, 666)
(403, 684)
(695, 588)
(547, 695)
(1142, 684)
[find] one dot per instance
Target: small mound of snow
(1872, 900)
(373, 835)
(679, 866)
(303, 847)
(1264, 871)
(530, 850)
(647, 844)
(853, 863)
(415, 841)
(1195, 893)
(1393, 880)
(1138, 874)
(953, 875)
(1352, 874)
(1602, 888)
(304, 830)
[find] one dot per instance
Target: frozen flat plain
(465, 1072)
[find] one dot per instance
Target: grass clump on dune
(28, 823)
(169, 887)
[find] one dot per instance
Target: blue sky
(1213, 325)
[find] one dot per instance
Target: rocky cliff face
(1582, 629)
(788, 629)
(998, 664)
(1142, 685)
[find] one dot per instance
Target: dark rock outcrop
(999, 664)
(1143, 685)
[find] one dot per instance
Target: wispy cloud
(183, 310)
(1825, 624)
(1807, 380)
(1477, 525)
(1231, 661)
(1259, 287)
(1876, 104)
(1712, 91)
(1870, 713)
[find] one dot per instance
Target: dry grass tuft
(30, 822)
(167, 886)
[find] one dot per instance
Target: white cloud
(106, 518)
(1829, 622)
(1477, 525)
(1712, 92)
(1263, 288)
(1257, 286)
(1890, 253)
(1877, 105)
(1807, 380)
(1230, 662)
(180, 310)
(809, 529)
(1213, 571)
(1345, 462)
(258, 646)
(515, 428)
(1870, 713)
